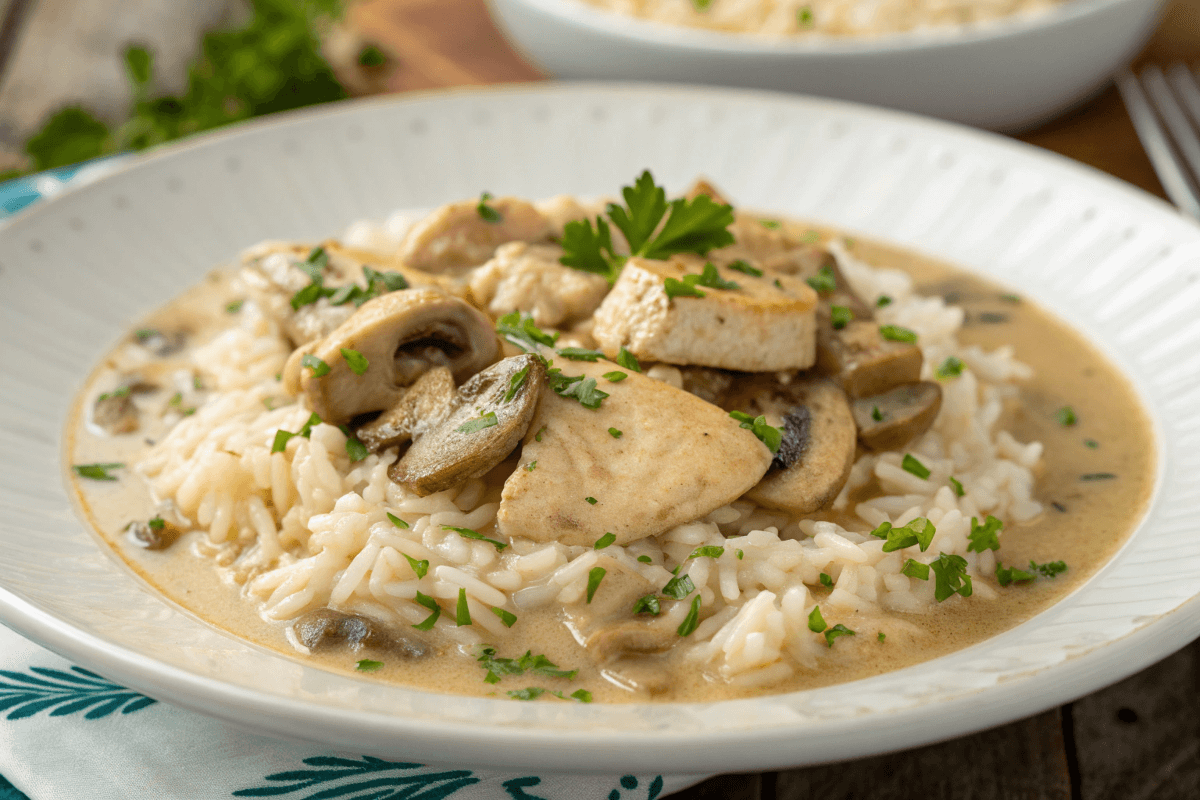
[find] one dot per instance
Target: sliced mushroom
(467, 233)
(115, 412)
(631, 637)
(426, 403)
(490, 415)
(863, 361)
(818, 447)
(401, 335)
(325, 627)
(161, 343)
(153, 535)
(891, 420)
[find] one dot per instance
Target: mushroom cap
(862, 360)
(401, 335)
(461, 446)
(905, 413)
(424, 404)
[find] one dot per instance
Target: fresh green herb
(647, 605)
(952, 367)
(462, 614)
(835, 632)
(746, 268)
(708, 551)
(692, 620)
(740, 554)
(919, 532)
(679, 587)
(382, 282)
(515, 383)
(534, 692)
(712, 279)
(582, 695)
(883, 300)
(355, 360)
(1009, 575)
(531, 466)
(1097, 476)
(143, 334)
(985, 536)
(604, 541)
(769, 224)
(613, 432)
(582, 389)
(157, 523)
(1050, 569)
(678, 288)
(626, 360)
(519, 329)
(314, 266)
(876, 414)
(1066, 416)
(355, 449)
(595, 575)
(580, 354)
(881, 636)
(371, 56)
(1091, 443)
(591, 250)
(399, 523)
(319, 368)
(810, 237)
(467, 533)
(419, 568)
(816, 622)
(1011, 298)
(825, 579)
(432, 605)
(894, 333)
(282, 437)
(915, 569)
(771, 436)
(591, 500)
(616, 376)
(176, 402)
(540, 665)
(235, 306)
(309, 295)
(951, 577)
(825, 281)
(367, 665)
(804, 17)
(958, 487)
(840, 316)
(507, 617)
(486, 212)
(645, 559)
(487, 420)
(537, 437)
(914, 467)
(124, 391)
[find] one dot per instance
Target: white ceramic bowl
(76, 273)
(1005, 75)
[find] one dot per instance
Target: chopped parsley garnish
(124, 391)
(951, 577)
(740, 554)
(580, 354)
(681, 288)
(515, 383)
(531, 466)
(985, 536)
(507, 617)
(540, 665)
(825, 579)
(616, 376)
(613, 432)
(708, 551)
(519, 329)
(604, 541)
(419, 568)
(919, 532)
(824, 282)
(355, 448)
(840, 316)
(314, 266)
(1009, 575)
(647, 605)
(1066, 416)
(355, 360)
(895, 333)
(771, 436)
(1050, 569)
(367, 665)
(432, 605)
(881, 636)
(487, 420)
(1097, 476)
(319, 368)
(176, 402)
(746, 268)
(914, 467)
(804, 17)
(712, 279)
(816, 622)
(534, 692)
(645, 559)
(883, 300)
(234, 307)
(399, 523)
(876, 414)
(462, 614)
(1091, 443)
(810, 237)
(679, 587)
(769, 224)
(467, 533)
(591, 500)
(486, 212)
(915, 569)
(1011, 298)
(952, 367)
(282, 437)
(692, 620)
(537, 437)
(157, 523)
(835, 632)
(627, 360)
(956, 486)
(582, 389)
(595, 575)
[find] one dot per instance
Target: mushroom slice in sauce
(325, 627)
(819, 439)
(673, 458)
(529, 277)
(115, 412)
(765, 324)
(401, 335)
(151, 536)
(891, 420)
(425, 404)
(161, 343)
(467, 233)
(863, 361)
(490, 414)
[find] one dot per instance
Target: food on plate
(801, 18)
(579, 451)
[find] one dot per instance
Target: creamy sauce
(1085, 522)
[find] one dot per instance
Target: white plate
(1114, 262)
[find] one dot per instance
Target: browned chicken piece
(466, 234)
(891, 420)
(528, 277)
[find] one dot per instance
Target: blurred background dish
(1003, 74)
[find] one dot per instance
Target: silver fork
(1155, 100)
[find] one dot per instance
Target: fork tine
(1184, 83)
(1154, 140)
(1176, 121)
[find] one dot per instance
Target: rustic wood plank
(1141, 738)
(726, 787)
(1025, 760)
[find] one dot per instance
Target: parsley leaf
(681, 288)
(488, 213)
(497, 666)
(507, 617)
(584, 391)
(580, 354)
(835, 632)
(616, 376)
(895, 333)
(824, 282)
(712, 279)
(399, 523)
(647, 605)
(646, 204)
(590, 249)
(708, 551)
(919, 532)
(625, 359)
(419, 568)
(679, 587)
(915, 569)
(462, 614)
(488, 420)
(518, 329)
(595, 575)
(951, 577)
(467, 533)
(515, 383)
(97, 472)
(692, 620)
(432, 605)
(957, 486)
(367, 665)
(816, 622)
(319, 368)
(952, 367)
(1050, 569)
(914, 467)
(771, 436)
(355, 360)
(604, 541)
(1009, 575)
(1066, 416)
(746, 268)
(985, 536)
(840, 316)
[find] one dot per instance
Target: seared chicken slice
(467, 233)
(651, 457)
(767, 324)
(529, 277)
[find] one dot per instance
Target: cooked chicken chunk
(766, 324)
(467, 233)
(529, 277)
(672, 458)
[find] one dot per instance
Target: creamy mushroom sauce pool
(1085, 522)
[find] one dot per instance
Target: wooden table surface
(1137, 739)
